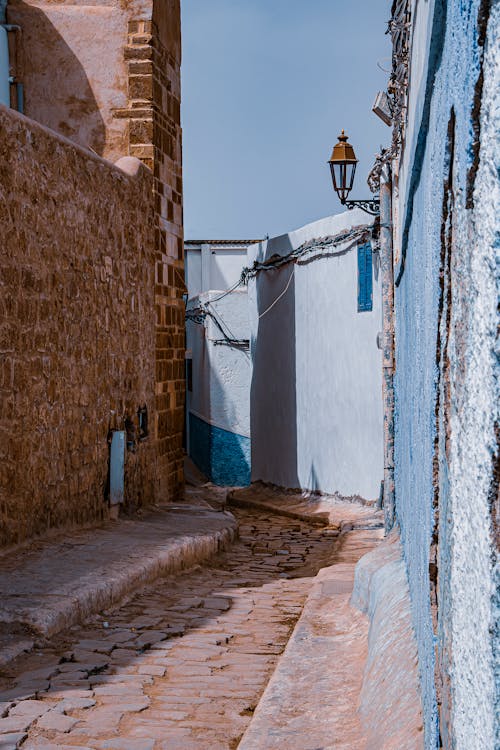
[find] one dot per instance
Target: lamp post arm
(370, 206)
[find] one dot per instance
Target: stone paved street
(180, 666)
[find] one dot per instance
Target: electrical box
(4, 68)
(382, 107)
(117, 468)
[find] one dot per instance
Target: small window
(365, 283)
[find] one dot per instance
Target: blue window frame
(365, 278)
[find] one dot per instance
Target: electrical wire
(352, 236)
(323, 243)
(200, 314)
(285, 290)
(228, 291)
(215, 315)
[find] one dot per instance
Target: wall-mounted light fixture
(343, 164)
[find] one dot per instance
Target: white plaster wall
(316, 407)
(213, 267)
(221, 373)
(226, 266)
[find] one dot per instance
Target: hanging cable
(355, 235)
(200, 314)
(321, 245)
(285, 290)
(228, 291)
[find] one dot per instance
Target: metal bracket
(370, 206)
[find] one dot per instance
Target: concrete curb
(329, 642)
(344, 516)
(12, 651)
(320, 519)
(47, 613)
(185, 553)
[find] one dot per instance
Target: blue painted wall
(218, 406)
(447, 57)
(222, 456)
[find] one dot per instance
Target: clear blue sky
(267, 86)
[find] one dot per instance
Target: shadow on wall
(274, 377)
(57, 90)
(167, 18)
(313, 482)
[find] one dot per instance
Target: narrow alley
(249, 375)
(184, 662)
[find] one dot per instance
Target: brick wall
(153, 115)
(77, 349)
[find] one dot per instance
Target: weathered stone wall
(107, 75)
(77, 328)
(447, 367)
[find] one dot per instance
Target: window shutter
(365, 278)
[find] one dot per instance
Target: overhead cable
(279, 297)
(348, 239)
(353, 235)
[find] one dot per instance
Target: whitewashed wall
(213, 266)
(218, 407)
(316, 407)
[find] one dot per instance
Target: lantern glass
(343, 167)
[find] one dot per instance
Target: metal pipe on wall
(388, 361)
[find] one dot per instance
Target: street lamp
(343, 164)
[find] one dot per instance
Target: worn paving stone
(126, 744)
(154, 670)
(100, 646)
(75, 704)
(149, 637)
(13, 724)
(56, 722)
(184, 663)
(4, 708)
(12, 740)
(69, 695)
(20, 693)
(30, 709)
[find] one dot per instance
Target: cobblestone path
(179, 667)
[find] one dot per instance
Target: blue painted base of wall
(223, 456)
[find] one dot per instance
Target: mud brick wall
(77, 322)
(153, 55)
